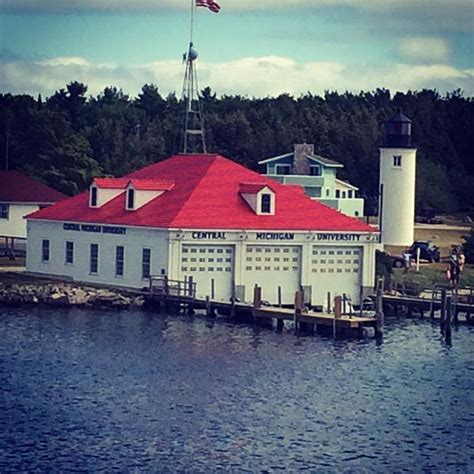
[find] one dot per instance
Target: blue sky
(272, 47)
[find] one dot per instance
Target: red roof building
(209, 218)
(21, 195)
(203, 191)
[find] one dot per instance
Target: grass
(430, 275)
(18, 262)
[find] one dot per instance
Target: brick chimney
(300, 162)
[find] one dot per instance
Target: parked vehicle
(428, 216)
(397, 262)
(428, 250)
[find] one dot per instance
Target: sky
(254, 48)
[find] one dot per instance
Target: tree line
(68, 138)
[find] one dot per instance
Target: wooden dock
(172, 295)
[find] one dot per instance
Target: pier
(181, 296)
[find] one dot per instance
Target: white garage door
(335, 269)
(269, 267)
(208, 264)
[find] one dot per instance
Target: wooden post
(279, 296)
(329, 302)
(449, 309)
(432, 305)
(418, 250)
(344, 307)
(280, 324)
(442, 321)
(299, 304)
(456, 312)
(208, 306)
(232, 302)
(337, 313)
(257, 297)
(213, 283)
(361, 301)
(379, 312)
(165, 284)
(190, 287)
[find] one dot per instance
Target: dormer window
(130, 199)
(259, 196)
(266, 203)
(93, 197)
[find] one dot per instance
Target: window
(131, 199)
(119, 254)
(45, 251)
(350, 194)
(146, 263)
(315, 170)
(266, 204)
(94, 258)
(338, 194)
(397, 161)
(93, 196)
(343, 195)
(69, 253)
(4, 211)
(282, 169)
(327, 192)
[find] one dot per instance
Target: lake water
(136, 391)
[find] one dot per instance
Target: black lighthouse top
(398, 131)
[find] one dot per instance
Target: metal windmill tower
(193, 138)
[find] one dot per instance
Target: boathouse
(209, 218)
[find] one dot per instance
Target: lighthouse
(397, 183)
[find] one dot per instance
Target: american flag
(213, 6)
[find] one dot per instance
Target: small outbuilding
(206, 217)
(21, 195)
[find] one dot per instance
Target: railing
(163, 286)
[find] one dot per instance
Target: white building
(21, 195)
(207, 217)
(318, 176)
(397, 183)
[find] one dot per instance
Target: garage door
(208, 264)
(335, 269)
(270, 267)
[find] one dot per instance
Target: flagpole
(192, 21)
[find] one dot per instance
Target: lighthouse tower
(397, 183)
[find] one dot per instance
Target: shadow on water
(85, 390)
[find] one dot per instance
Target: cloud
(424, 49)
(252, 76)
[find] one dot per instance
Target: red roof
(111, 183)
(152, 184)
(252, 188)
(206, 195)
(141, 184)
(17, 187)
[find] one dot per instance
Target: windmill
(193, 137)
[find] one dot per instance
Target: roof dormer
(260, 197)
(103, 190)
(141, 191)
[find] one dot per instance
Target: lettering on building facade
(95, 228)
(343, 237)
(275, 236)
(209, 236)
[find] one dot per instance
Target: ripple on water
(139, 391)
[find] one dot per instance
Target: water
(135, 391)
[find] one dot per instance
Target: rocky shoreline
(67, 295)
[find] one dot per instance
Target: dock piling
(379, 311)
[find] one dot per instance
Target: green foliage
(68, 138)
(468, 247)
